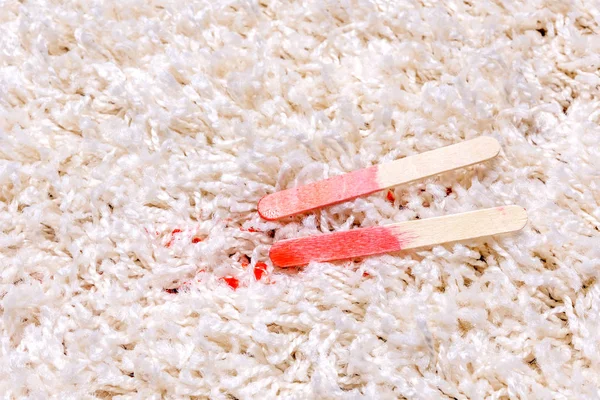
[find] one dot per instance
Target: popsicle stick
(368, 180)
(404, 235)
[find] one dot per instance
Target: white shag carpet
(136, 138)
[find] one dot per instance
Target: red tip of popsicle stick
(319, 194)
(336, 246)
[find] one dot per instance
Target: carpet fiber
(136, 138)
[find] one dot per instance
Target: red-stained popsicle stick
(368, 180)
(401, 236)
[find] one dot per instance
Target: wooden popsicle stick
(401, 236)
(369, 180)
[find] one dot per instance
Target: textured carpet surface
(136, 138)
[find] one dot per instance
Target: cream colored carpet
(136, 138)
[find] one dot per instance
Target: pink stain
(156, 233)
(259, 269)
(390, 196)
(244, 260)
(172, 239)
(231, 281)
(319, 194)
(336, 246)
(200, 275)
(251, 229)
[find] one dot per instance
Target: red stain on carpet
(390, 196)
(232, 281)
(259, 269)
(172, 239)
